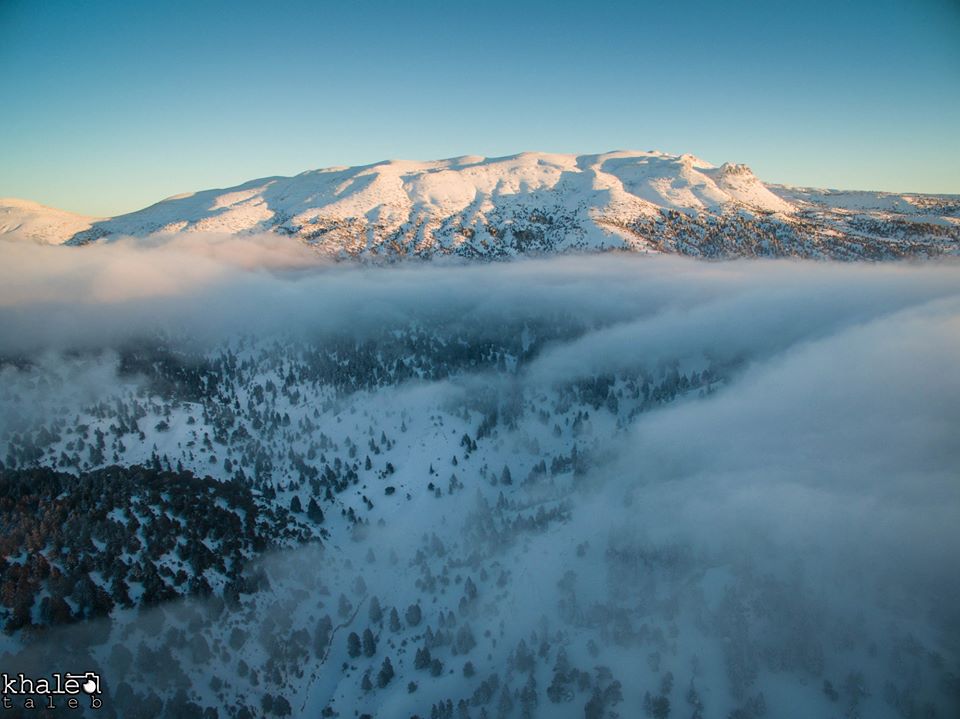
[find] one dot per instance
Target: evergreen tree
(353, 645)
(321, 637)
(314, 512)
(369, 643)
(376, 612)
(413, 615)
(386, 673)
(422, 658)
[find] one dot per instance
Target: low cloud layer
(212, 287)
(846, 443)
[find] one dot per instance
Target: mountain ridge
(533, 203)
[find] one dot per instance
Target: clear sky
(108, 106)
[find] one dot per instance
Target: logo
(73, 691)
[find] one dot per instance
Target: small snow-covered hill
(33, 222)
(535, 203)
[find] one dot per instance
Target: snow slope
(33, 222)
(540, 203)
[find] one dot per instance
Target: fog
(209, 287)
(775, 515)
(846, 442)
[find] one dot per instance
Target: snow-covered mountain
(536, 203)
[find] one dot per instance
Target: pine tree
(376, 612)
(386, 673)
(353, 645)
(505, 705)
(413, 615)
(594, 707)
(321, 637)
(528, 698)
(394, 620)
(465, 640)
(314, 512)
(369, 643)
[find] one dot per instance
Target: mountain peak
(733, 168)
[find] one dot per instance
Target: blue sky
(111, 105)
